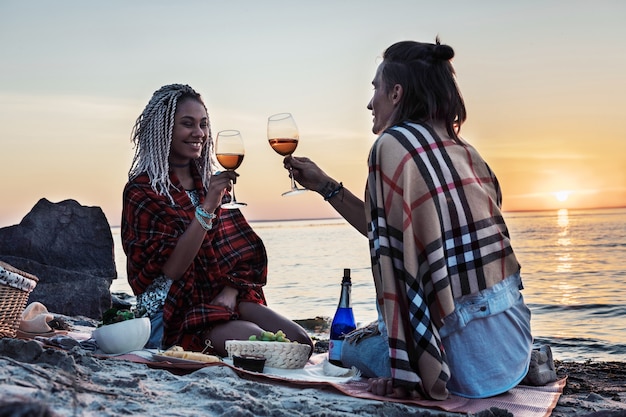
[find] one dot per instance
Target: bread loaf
(180, 353)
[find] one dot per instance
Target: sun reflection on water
(568, 293)
(564, 257)
(563, 220)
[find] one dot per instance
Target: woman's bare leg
(231, 330)
(253, 319)
(270, 320)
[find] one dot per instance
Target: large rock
(69, 247)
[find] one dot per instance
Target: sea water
(573, 270)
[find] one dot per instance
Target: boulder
(69, 247)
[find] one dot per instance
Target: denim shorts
(487, 340)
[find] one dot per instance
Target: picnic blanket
(521, 401)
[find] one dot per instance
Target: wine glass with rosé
(283, 136)
(229, 151)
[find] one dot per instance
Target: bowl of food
(254, 363)
(124, 336)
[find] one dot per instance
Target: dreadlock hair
(152, 138)
(426, 75)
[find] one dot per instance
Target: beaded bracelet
(334, 192)
(206, 226)
(200, 211)
(205, 218)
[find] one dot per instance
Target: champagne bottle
(343, 322)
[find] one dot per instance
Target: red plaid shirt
(231, 255)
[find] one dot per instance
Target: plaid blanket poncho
(436, 233)
(232, 254)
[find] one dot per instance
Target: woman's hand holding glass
(220, 183)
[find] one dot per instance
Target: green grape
(267, 336)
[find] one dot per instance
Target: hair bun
(443, 52)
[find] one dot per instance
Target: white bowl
(123, 337)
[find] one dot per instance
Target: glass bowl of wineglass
(229, 151)
(283, 136)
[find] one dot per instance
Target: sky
(543, 83)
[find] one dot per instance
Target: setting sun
(562, 195)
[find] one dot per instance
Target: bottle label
(334, 349)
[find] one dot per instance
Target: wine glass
(283, 136)
(229, 151)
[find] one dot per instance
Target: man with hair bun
(452, 318)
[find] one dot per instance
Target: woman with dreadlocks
(196, 269)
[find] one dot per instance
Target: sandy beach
(36, 380)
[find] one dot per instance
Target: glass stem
(232, 196)
(293, 181)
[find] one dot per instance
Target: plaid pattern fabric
(436, 233)
(232, 255)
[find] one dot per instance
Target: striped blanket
(436, 233)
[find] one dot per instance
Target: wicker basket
(276, 354)
(15, 287)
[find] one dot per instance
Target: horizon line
(304, 219)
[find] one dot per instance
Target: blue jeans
(156, 333)
(369, 355)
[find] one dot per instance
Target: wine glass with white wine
(283, 136)
(229, 151)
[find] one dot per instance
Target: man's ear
(396, 95)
